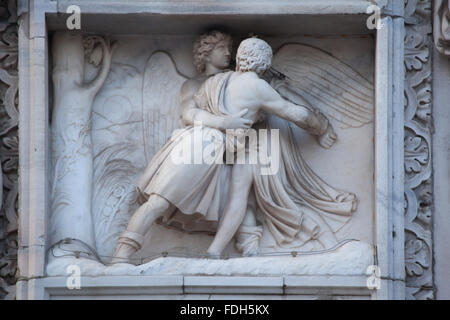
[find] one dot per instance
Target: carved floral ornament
(9, 117)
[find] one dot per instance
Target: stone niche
(124, 136)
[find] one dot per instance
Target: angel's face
(220, 56)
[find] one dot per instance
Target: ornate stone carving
(442, 26)
(8, 148)
(189, 188)
(418, 169)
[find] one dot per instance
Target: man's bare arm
(313, 122)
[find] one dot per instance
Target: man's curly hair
(205, 44)
(253, 55)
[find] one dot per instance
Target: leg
(249, 233)
(132, 238)
(241, 182)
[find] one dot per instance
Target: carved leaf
(8, 49)
(8, 149)
(118, 154)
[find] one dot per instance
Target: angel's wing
(160, 101)
(326, 83)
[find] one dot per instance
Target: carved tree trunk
(71, 143)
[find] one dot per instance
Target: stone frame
(389, 155)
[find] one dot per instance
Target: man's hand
(327, 139)
(236, 121)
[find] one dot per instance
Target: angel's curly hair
(205, 44)
(255, 55)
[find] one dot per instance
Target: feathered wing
(326, 83)
(160, 101)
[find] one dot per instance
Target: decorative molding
(418, 165)
(9, 143)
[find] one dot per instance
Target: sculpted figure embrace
(296, 203)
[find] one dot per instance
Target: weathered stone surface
(387, 162)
